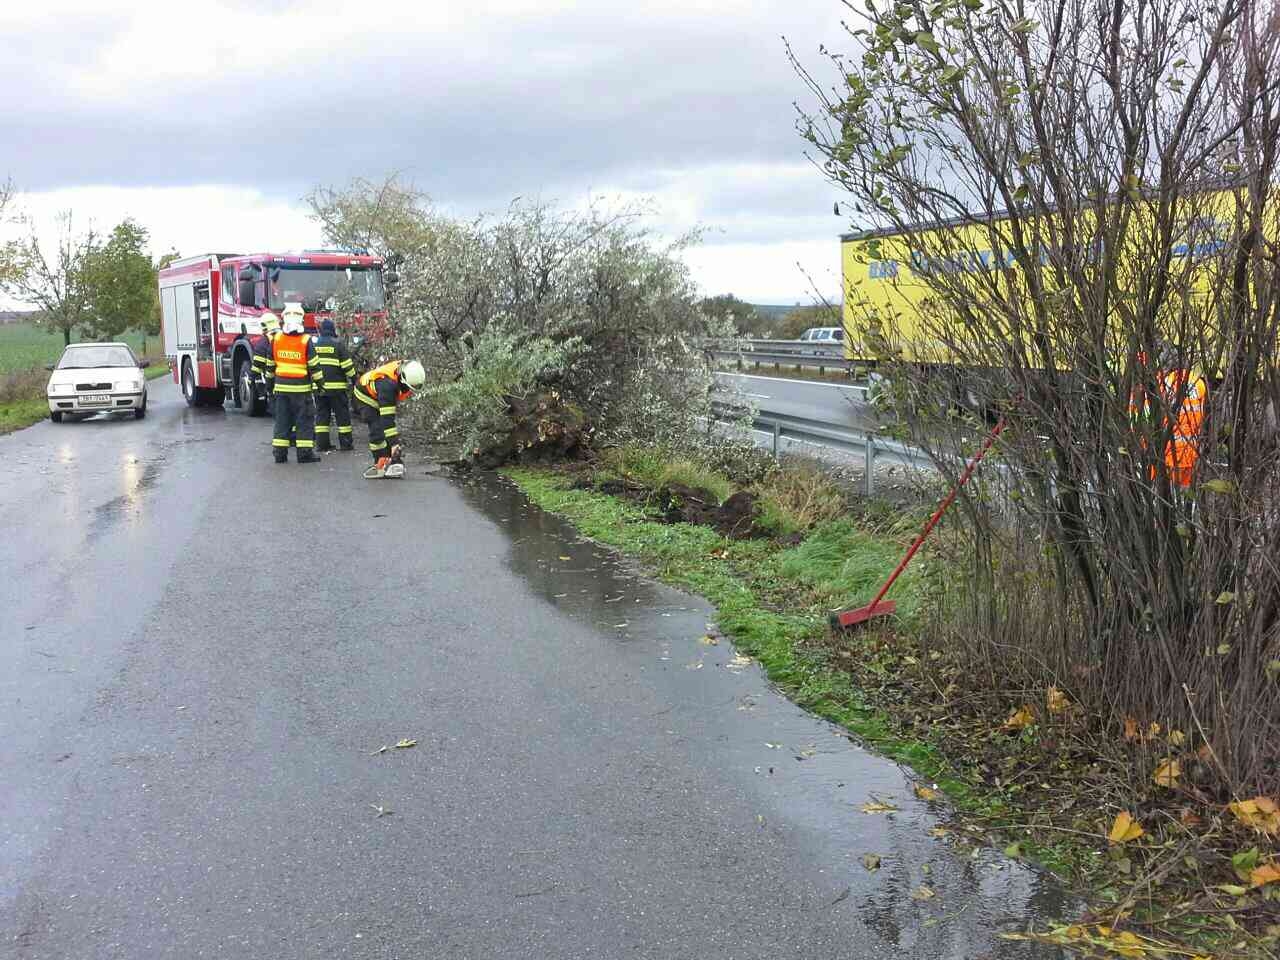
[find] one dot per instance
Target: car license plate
(95, 398)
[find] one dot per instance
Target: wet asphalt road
(201, 653)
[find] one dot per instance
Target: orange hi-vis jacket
(1183, 451)
(367, 386)
(294, 366)
(1189, 394)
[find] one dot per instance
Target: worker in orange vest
(378, 392)
(1184, 395)
(293, 376)
(1185, 392)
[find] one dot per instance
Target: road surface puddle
(881, 851)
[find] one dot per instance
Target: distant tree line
(769, 322)
(82, 281)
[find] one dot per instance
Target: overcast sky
(207, 122)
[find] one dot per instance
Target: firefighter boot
(378, 470)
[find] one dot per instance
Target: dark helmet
(327, 328)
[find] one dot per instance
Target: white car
(97, 378)
(823, 335)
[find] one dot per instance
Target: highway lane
(839, 404)
(202, 653)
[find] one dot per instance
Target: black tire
(190, 392)
(246, 391)
(55, 416)
(141, 412)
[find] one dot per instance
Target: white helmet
(270, 323)
(413, 376)
(293, 317)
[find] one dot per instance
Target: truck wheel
(56, 416)
(248, 392)
(190, 392)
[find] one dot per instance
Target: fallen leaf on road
(693, 666)
(922, 893)
(739, 661)
(381, 749)
(382, 811)
(1020, 719)
(710, 641)
(566, 558)
(926, 793)
(806, 754)
(871, 861)
(879, 806)
(939, 832)
(773, 746)
(1167, 773)
(405, 744)
(1125, 829)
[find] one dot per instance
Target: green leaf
(1219, 486)
(1273, 669)
(1024, 25)
(1022, 193)
(924, 40)
(952, 74)
(1225, 597)
(1224, 649)
(1013, 850)
(1245, 861)
(973, 4)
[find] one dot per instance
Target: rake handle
(942, 508)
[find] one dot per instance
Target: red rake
(875, 608)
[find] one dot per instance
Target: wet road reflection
(928, 899)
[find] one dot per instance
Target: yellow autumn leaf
(926, 793)
(878, 806)
(1260, 813)
(1167, 773)
(1056, 700)
(922, 893)
(1020, 719)
(1177, 738)
(1266, 873)
(406, 743)
(1125, 828)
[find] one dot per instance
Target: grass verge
(22, 397)
(1029, 788)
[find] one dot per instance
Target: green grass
(26, 345)
(749, 583)
(653, 468)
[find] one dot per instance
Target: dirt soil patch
(736, 518)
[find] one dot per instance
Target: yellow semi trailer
(892, 309)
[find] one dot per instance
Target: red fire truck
(211, 308)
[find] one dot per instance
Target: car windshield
(87, 358)
(314, 286)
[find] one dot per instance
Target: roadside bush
(23, 385)
(586, 306)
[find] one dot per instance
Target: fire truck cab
(211, 310)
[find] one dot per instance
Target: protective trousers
(333, 404)
(381, 436)
(294, 410)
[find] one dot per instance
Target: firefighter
(293, 376)
(262, 349)
(339, 373)
(378, 392)
(1183, 394)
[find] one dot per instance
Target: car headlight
(129, 386)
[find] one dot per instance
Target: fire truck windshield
(316, 287)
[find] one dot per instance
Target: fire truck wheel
(248, 394)
(190, 392)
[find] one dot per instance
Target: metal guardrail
(800, 430)
(780, 353)
(823, 362)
